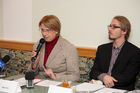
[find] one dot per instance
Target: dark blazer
(125, 69)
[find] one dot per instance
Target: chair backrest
(86, 64)
(18, 63)
(137, 84)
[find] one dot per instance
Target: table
(38, 89)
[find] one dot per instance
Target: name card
(58, 89)
(9, 86)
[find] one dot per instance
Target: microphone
(3, 62)
(41, 42)
(29, 76)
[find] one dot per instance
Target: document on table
(88, 87)
(46, 83)
(7, 86)
(22, 81)
(110, 90)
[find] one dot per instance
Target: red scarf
(48, 48)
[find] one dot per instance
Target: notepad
(110, 90)
(47, 83)
(88, 87)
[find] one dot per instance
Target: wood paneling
(16, 45)
(87, 52)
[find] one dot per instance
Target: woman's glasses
(45, 31)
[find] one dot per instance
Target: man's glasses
(113, 26)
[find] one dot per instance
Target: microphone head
(42, 40)
(29, 75)
(6, 58)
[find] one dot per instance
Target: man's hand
(50, 73)
(91, 82)
(109, 81)
(96, 82)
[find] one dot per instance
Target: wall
(17, 20)
(84, 22)
(1, 36)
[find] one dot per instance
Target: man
(117, 63)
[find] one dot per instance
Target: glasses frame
(45, 31)
(113, 26)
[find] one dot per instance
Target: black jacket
(125, 69)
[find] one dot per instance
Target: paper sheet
(9, 86)
(110, 90)
(22, 81)
(46, 83)
(88, 87)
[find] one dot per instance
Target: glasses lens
(113, 27)
(45, 31)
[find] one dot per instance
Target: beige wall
(17, 20)
(1, 20)
(84, 22)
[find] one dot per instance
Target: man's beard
(111, 38)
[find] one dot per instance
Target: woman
(58, 58)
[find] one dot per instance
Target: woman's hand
(50, 73)
(34, 64)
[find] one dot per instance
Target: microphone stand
(2, 74)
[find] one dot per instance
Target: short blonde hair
(51, 22)
(125, 25)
